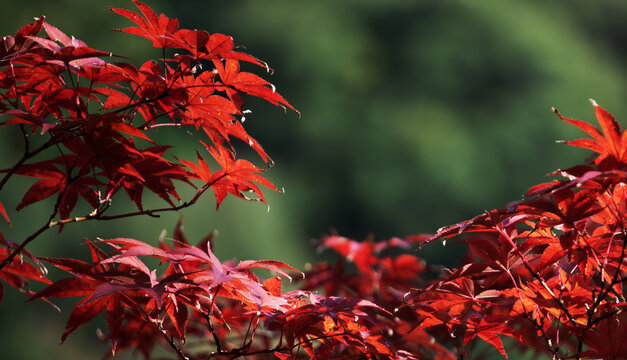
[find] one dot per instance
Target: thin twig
(151, 212)
(28, 155)
(170, 341)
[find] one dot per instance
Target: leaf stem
(150, 212)
(170, 341)
(29, 154)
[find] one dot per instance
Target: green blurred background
(415, 114)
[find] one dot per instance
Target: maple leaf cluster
(94, 117)
(90, 117)
(547, 271)
(98, 113)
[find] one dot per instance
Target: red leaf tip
(594, 103)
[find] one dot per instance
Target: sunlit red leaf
(273, 285)
(611, 142)
(248, 83)
(159, 29)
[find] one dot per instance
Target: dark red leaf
(608, 340)
(83, 313)
(68, 287)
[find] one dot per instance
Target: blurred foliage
(416, 114)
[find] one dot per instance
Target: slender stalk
(151, 212)
(216, 339)
(28, 155)
(557, 300)
(170, 340)
(596, 302)
(39, 231)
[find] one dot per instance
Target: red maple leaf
(18, 271)
(55, 181)
(611, 143)
(608, 340)
(234, 81)
(159, 29)
(237, 177)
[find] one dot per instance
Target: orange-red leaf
(158, 29)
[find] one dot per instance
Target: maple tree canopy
(547, 271)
